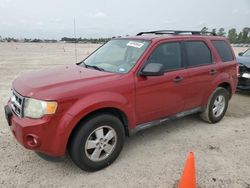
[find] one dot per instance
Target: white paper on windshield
(135, 44)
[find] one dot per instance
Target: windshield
(118, 55)
(247, 53)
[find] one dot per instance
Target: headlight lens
(34, 108)
(246, 75)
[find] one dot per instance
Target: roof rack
(176, 32)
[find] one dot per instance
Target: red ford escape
(125, 86)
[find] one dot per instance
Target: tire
(101, 135)
(209, 114)
(49, 158)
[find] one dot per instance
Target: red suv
(125, 86)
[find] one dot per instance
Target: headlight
(34, 108)
(246, 75)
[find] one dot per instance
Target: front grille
(244, 81)
(17, 103)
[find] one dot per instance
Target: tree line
(64, 39)
(241, 37)
(12, 39)
(85, 40)
(234, 37)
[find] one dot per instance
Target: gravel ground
(153, 158)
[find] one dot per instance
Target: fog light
(32, 141)
(35, 141)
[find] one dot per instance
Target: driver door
(161, 96)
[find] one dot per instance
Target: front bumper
(243, 83)
(47, 135)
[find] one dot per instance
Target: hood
(48, 83)
(244, 60)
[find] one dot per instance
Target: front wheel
(49, 158)
(217, 106)
(97, 142)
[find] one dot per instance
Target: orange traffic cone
(188, 179)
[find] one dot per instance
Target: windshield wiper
(94, 67)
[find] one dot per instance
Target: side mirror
(240, 54)
(152, 69)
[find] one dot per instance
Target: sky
(53, 19)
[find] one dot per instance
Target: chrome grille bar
(17, 102)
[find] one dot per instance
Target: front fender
(97, 101)
(91, 103)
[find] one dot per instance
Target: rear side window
(197, 53)
(224, 50)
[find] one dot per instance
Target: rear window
(224, 50)
(197, 53)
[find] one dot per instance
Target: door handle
(213, 72)
(178, 79)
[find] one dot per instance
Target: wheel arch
(106, 110)
(228, 87)
(224, 84)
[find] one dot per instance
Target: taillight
(237, 70)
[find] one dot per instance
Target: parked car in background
(244, 70)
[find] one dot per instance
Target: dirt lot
(153, 158)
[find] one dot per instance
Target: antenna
(75, 38)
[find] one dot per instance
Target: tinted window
(224, 50)
(197, 53)
(167, 54)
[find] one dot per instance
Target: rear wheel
(97, 142)
(217, 106)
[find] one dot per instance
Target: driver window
(167, 54)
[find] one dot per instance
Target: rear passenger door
(201, 69)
